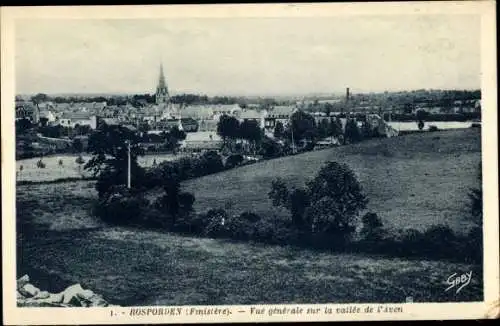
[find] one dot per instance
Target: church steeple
(162, 96)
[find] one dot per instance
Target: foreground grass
(415, 181)
(60, 243)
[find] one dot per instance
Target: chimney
(347, 94)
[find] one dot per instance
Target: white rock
(29, 290)
(71, 292)
(85, 294)
(52, 298)
(42, 295)
(25, 279)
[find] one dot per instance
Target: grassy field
(60, 243)
(70, 168)
(411, 181)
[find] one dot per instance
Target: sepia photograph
(312, 163)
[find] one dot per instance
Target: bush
(433, 128)
(216, 225)
(209, 162)
(372, 229)
(122, 206)
(233, 161)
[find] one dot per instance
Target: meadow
(413, 181)
(60, 243)
(69, 168)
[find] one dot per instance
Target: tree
(335, 127)
(421, 116)
(210, 162)
(327, 206)
(352, 132)
(173, 137)
(279, 130)
(22, 125)
(174, 203)
(303, 127)
(476, 200)
(77, 145)
(79, 160)
(269, 148)
(251, 132)
(337, 199)
(323, 128)
(110, 157)
(228, 128)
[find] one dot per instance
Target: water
(410, 126)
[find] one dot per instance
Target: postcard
(249, 163)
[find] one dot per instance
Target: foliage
(335, 127)
(174, 204)
(324, 129)
(327, 206)
(420, 124)
(352, 133)
(233, 161)
(303, 127)
(23, 125)
(228, 127)
(77, 145)
(208, 163)
(122, 206)
(110, 157)
(476, 200)
(279, 130)
(269, 148)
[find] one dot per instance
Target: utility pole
(128, 166)
(293, 142)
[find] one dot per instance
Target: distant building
(47, 114)
(27, 110)
(253, 115)
(72, 119)
(162, 96)
(280, 113)
(189, 124)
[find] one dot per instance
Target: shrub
(269, 148)
(122, 206)
(216, 225)
(233, 161)
(249, 216)
(209, 162)
(433, 128)
(372, 229)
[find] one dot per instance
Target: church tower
(162, 96)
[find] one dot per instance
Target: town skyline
(266, 57)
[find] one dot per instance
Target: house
(201, 141)
(227, 109)
(72, 119)
(168, 124)
(253, 115)
(27, 110)
(280, 113)
(48, 115)
(189, 124)
(197, 112)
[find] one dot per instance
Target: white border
(490, 308)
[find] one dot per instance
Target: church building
(162, 96)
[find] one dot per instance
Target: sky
(249, 56)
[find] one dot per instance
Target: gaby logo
(458, 281)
